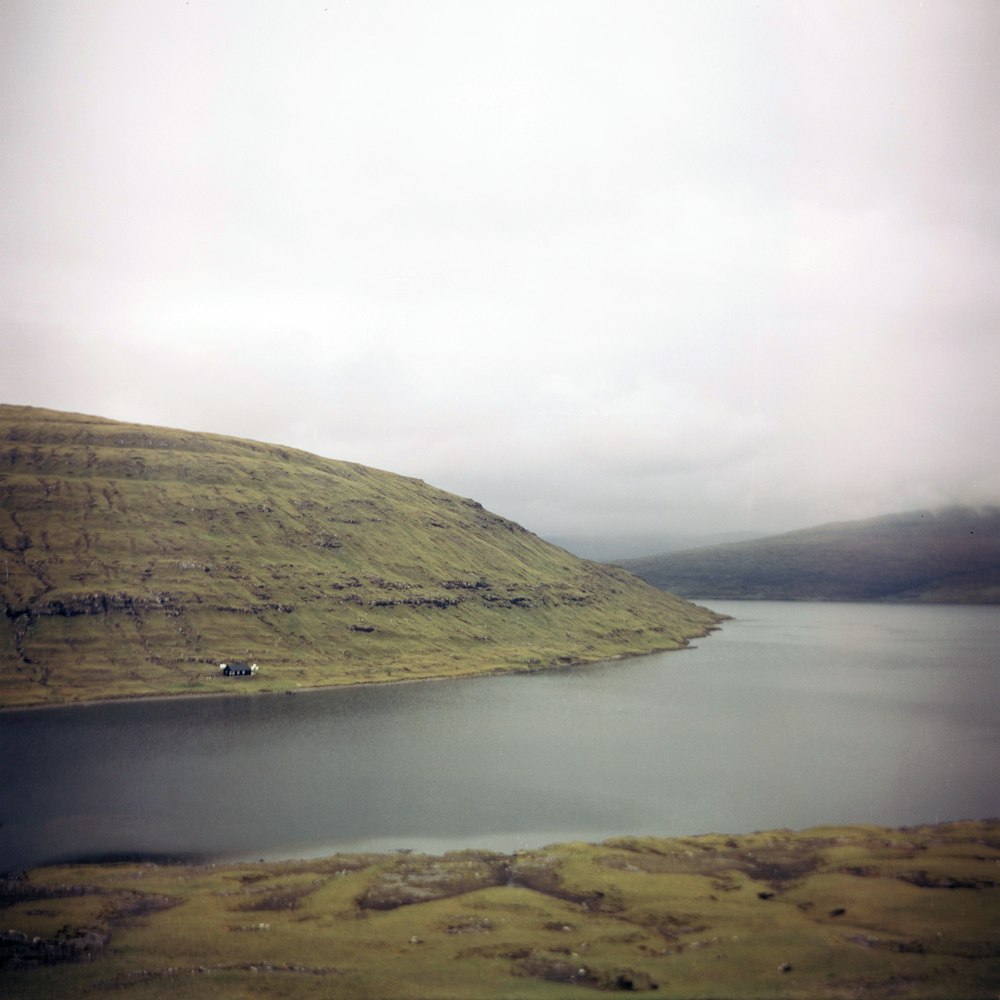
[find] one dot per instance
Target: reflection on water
(793, 715)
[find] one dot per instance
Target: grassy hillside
(945, 556)
(839, 912)
(133, 560)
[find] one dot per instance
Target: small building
(237, 669)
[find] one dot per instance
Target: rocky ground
(844, 912)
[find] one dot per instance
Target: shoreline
(467, 846)
(494, 672)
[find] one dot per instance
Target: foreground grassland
(133, 560)
(845, 912)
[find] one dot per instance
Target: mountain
(134, 560)
(947, 556)
(615, 548)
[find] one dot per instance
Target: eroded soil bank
(838, 912)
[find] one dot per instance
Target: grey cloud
(608, 268)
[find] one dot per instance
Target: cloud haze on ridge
(609, 268)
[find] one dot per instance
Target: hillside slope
(945, 556)
(134, 559)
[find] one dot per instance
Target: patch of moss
(544, 923)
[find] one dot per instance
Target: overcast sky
(609, 268)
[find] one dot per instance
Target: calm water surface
(792, 715)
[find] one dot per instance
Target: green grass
(135, 559)
(852, 911)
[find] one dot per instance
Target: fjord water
(792, 715)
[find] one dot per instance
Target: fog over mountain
(617, 271)
(944, 556)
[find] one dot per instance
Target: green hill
(133, 560)
(949, 556)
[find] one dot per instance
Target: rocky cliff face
(134, 559)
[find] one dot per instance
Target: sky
(617, 270)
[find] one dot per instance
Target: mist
(615, 271)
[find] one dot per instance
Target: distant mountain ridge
(951, 556)
(614, 548)
(134, 559)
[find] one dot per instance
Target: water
(793, 715)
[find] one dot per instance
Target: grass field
(844, 912)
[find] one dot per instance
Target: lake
(792, 715)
